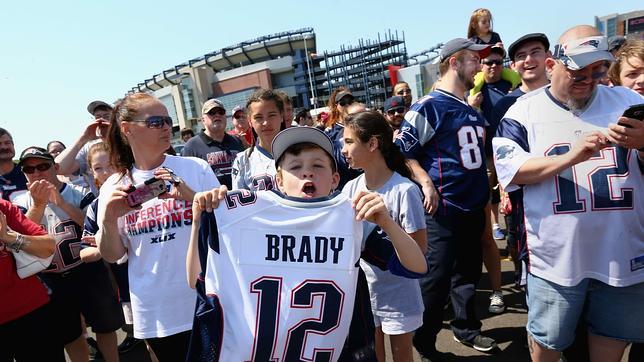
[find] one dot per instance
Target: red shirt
(247, 137)
(18, 296)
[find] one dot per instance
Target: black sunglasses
(42, 167)
(399, 110)
(347, 102)
(217, 111)
(157, 122)
(492, 62)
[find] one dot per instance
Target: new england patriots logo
(593, 43)
(407, 139)
(504, 151)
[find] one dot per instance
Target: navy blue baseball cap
(35, 152)
(394, 102)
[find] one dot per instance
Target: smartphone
(635, 111)
(145, 191)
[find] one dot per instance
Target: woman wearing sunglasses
(154, 234)
(339, 102)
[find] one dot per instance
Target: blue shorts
(554, 310)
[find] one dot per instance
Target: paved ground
(508, 329)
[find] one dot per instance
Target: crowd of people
(340, 230)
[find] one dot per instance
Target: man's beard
(468, 82)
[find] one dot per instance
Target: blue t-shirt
(492, 94)
(496, 38)
(445, 135)
(12, 182)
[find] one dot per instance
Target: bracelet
(16, 246)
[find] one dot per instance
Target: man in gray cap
(213, 144)
(576, 159)
(442, 139)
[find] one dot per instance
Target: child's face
(266, 119)
(484, 24)
(101, 168)
(355, 151)
(307, 175)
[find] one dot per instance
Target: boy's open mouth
(309, 189)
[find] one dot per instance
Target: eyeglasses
(157, 122)
(399, 110)
(580, 78)
(344, 103)
(521, 57)
(239, 116)
(42, 167)
(217, 112)
(403, 91)
(490, 63)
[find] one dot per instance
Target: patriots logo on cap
(593, 43)
(33, 151)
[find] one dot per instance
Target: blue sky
(57, 56)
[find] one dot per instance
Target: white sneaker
(496, 303)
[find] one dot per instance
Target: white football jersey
(583, 222)
(59, 224)
(284, 274)
(255, 172)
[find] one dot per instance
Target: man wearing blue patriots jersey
(442, 137)
(582, 178)
(12, 180)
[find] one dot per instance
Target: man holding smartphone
(582, 177)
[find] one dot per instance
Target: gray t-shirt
(83, 166)
(393, 296)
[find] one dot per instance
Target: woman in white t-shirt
(396, 302)
(154, 234)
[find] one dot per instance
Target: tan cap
(210, 104)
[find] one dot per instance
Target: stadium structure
(288, 61)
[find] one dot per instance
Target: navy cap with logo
(459, 44)
(35, 152)
(540, 37)
(394, 102)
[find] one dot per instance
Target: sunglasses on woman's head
(346, 102)
(40, 167)
(156, 121)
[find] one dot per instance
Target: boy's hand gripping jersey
(281, 277)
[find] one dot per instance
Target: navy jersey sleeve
(90, 225)
(511, 151)
(380, 252)
(418, 127)
(208, 238)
